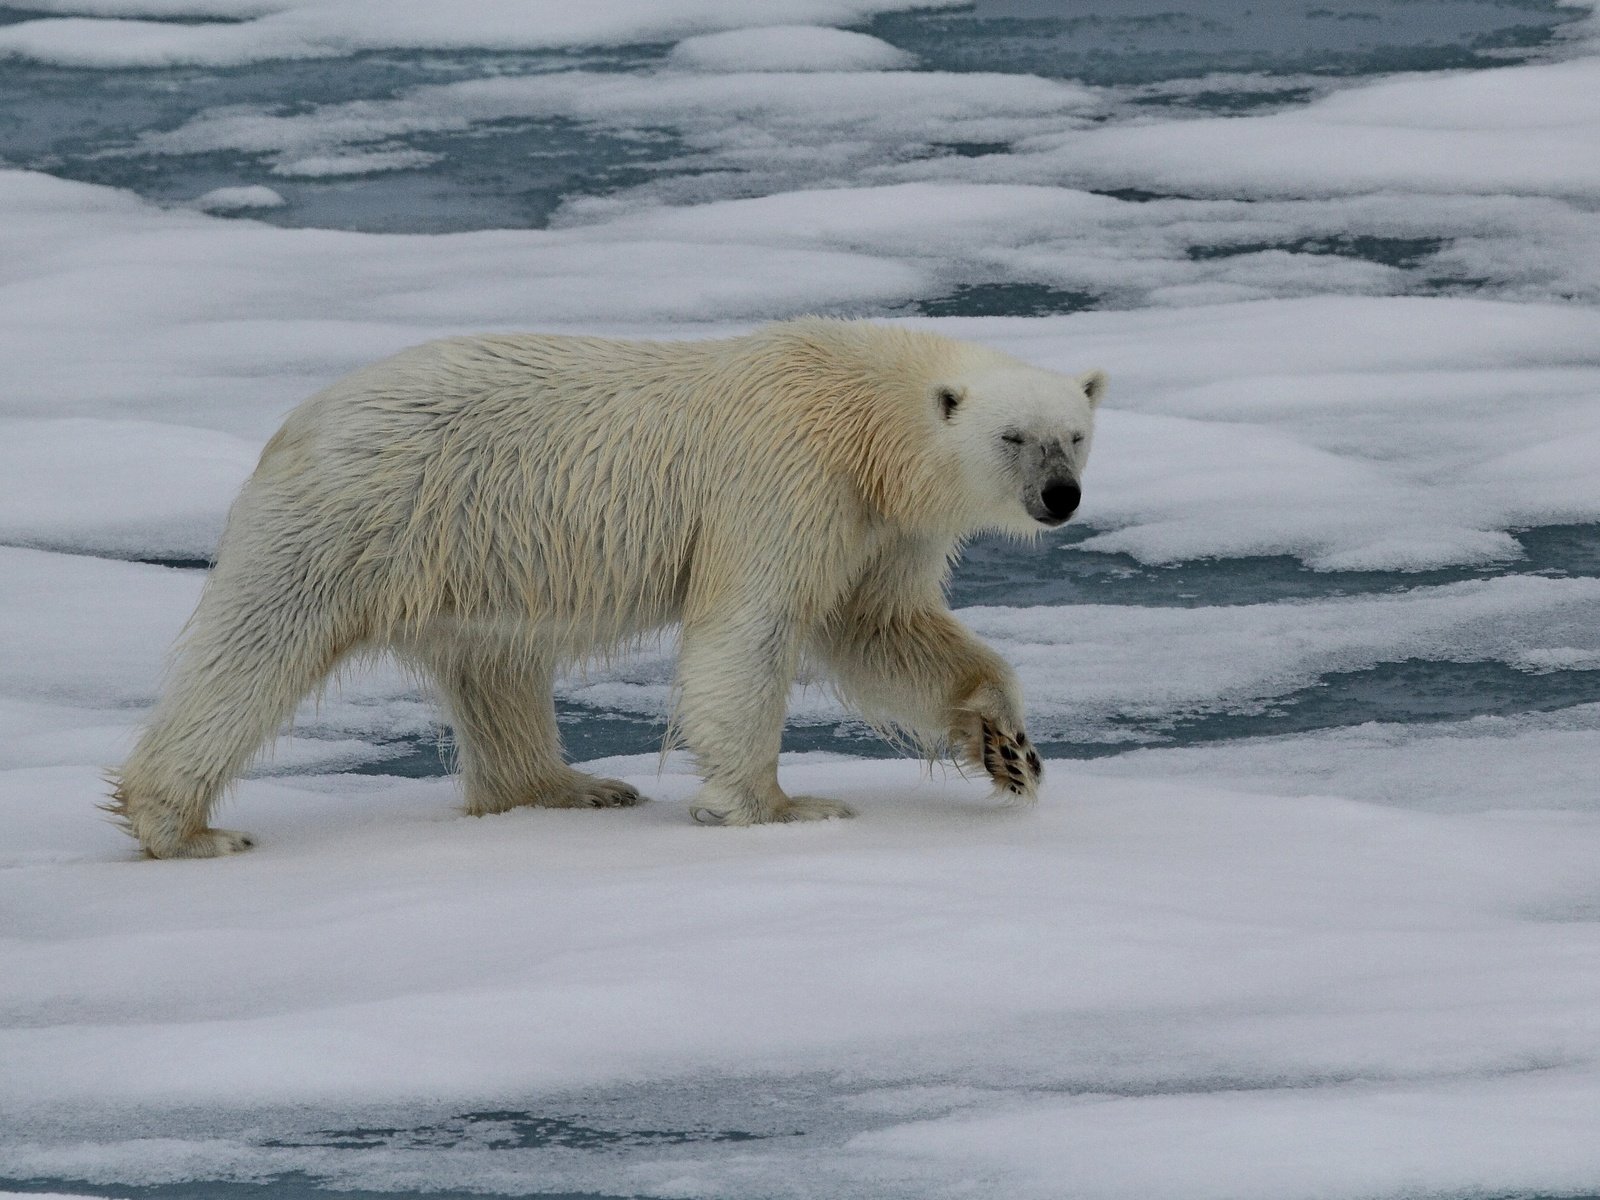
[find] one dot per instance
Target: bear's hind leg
(499, 699)
(248, 657)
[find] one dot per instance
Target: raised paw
(1011, 760)
(208, 843)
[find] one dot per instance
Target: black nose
(1061, 499)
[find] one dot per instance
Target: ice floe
(1357, 333)
(253, 30)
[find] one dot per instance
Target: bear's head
(1021, 437)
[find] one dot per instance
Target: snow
(1523, 130)
(1085, 671)
(1547, 763)
(255, 30)
(237, 199)
(318, 166)
(1353, 963)
(119, 487)
(1431, 1137)
(1351, 432)
(1140, 969)
(788, 48)
(864, 158)
(750, 113)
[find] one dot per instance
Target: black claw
(1007, 752)
(1034, 764)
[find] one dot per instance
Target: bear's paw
(1011, 761)
(208, 843)
(776, 810)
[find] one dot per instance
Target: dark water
(1056, 574)
(1121, 42)
(1056, 571)
(86, 124)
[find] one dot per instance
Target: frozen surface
(238, 199)
(119, 487)
(1519, 131)
(251, 30)
(1387, 432)
(1349, 453)
(1141, 964)
(788, 48)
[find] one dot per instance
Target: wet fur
(493, 509)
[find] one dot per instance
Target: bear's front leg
(986, 727)
(916, 665)
(733, 686)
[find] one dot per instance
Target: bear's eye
(1012, 438)
(1077, 439)
(948, 401)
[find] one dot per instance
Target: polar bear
(493, 508)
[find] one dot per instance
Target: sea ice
(1347, 964)
(1523, 130)
(253, 30)
(1152, 957)
(788, 48)
(238, 199)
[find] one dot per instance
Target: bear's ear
(948, 398)
(1093, 384)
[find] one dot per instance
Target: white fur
(492, 508)
(1039, 404)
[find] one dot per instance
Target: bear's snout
(1058, 500)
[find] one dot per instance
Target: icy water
(443, 139)
(515, 169)
(1055, 575)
